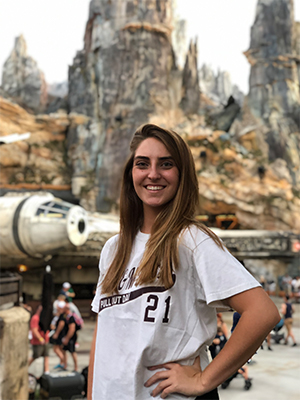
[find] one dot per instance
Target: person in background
(268, 339)
(263, 282)
(244, 369)
(287, 284)
(60, 331)
(70, 337)
(67, 291)
(221, 336)
(60, 297)
(73, 307)
(218, 343)
(296, 288)
(160, 282)
(39, 341)
(287, 310)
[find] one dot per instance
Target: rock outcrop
(126, 72)
(39, 162)
(274, 83)
(23, 80)
(218, 87)
(247, 157)
(274, 96)
(190, 101)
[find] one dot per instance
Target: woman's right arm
(91, 365)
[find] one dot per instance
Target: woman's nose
(153, 173)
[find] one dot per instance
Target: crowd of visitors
(62, 336)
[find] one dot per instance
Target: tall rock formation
(190, 101)
(218, 87)
(274, 83)
(23, 80)
(125, 73)
(274, 95)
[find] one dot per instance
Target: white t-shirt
(143, 326)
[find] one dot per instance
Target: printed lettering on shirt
(127, 280)
(119, 299)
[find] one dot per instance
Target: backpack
(78, 321)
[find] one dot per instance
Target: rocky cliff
(218, 87)
(40, 162)
(23, 80)
(274, 96)
(247, 157)
(125, 73)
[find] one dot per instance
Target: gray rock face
(218, 87)
(125, 73)
(23, 80)
(190, 83)
(272, 54)
(274, 93)
(59, 89)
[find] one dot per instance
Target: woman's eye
(167, 164)
(141, 164)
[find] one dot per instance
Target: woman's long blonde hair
(162, 247)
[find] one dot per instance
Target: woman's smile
(154, 188)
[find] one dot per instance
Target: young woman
(161, 279)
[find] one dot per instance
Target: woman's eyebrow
(147, 158)
(141, 158)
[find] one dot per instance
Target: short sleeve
(34, 323)
(71, 320)
(104, 263)
(220, 274)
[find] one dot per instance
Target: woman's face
(154, 174)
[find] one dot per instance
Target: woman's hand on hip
(176, 378)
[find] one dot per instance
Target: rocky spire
(22, 79)
(121, 77)
(271, 54)
(274, 83)
(190, 83)
(218, 87)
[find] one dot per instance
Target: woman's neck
(150, 215)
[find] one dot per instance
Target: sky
(54, 31)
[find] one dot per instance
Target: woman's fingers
(157, 377)
(164, 387)
(166, 366)
(175, 378)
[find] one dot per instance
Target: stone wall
(14, 354)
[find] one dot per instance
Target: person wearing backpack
(69, 340)
(287, 310)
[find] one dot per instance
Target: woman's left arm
(259, 315)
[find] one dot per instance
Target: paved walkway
(276, 374)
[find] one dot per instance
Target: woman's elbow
(273, 316)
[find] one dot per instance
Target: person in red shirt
(39, 341)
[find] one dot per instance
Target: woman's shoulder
(109, 247)
(111, 242)
(192, 236)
